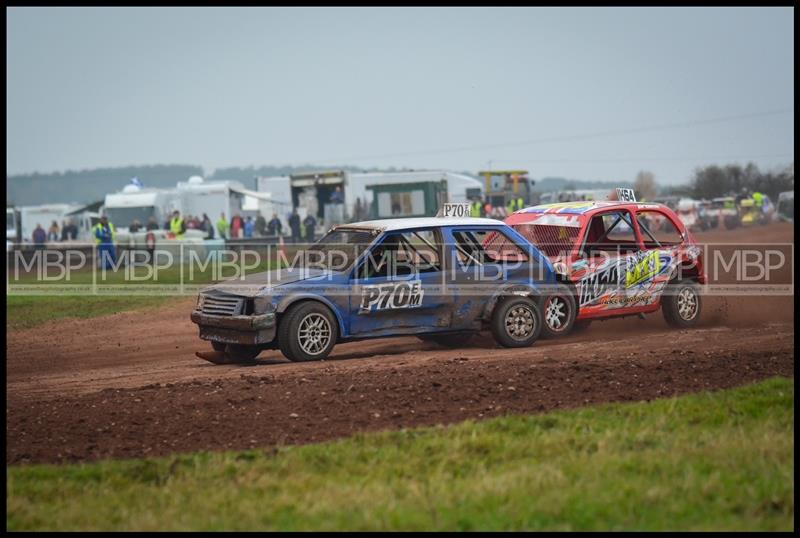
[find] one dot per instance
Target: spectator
(310, 223)
(135, 226)
(294, 225)
(53, 233)
(190, 223)
(222, 226)
(177, 225)
(248, 227)
(236, 227)
(337, 196)
(475, 208)
(207, 227)
(69, 231)
(152, 224)
(39, 236)
(261, 225)
(274, 226)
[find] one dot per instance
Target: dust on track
(129, 385)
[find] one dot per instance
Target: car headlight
(262, 304)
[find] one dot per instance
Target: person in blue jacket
(104, 239)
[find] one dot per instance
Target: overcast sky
(659, 89)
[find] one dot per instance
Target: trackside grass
(26, 311)
(716, 460)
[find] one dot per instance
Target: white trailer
(140, 204)
(311, 192)
(12, 224)
(43, 215)
(198, 197)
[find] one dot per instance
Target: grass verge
(718, 460)
(26, 311)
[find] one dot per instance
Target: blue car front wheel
(307, 331)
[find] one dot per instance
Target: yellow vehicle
(749, 212)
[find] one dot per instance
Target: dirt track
(129, 384)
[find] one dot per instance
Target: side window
(610, 232)
(403, 254)
(486, 246)
(618, 228)
(657, 229)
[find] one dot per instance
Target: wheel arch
(563, 279)
(512, 290)
(285, 303)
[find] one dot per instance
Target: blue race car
(439, 279)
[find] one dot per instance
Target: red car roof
(575, 211)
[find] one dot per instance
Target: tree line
(714, 181)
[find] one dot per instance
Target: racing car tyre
(581, 325)
(681, 304)
(307, 332)
(516, 322)
(558, 311)
(241, 352)
(447, 340)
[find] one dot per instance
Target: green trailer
(402, 200)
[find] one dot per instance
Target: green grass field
(24, 312)
(719, 460)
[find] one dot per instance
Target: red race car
(614, 259)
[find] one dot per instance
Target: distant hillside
(547, 184)
(84, 186)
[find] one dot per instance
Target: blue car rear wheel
(516, 322)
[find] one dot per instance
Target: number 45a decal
(391, 295)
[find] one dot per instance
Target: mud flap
(216, 357)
